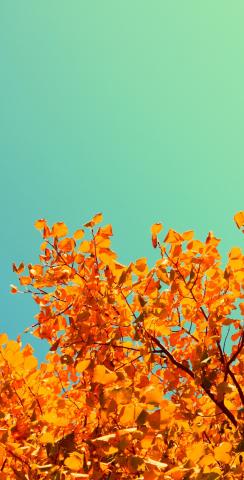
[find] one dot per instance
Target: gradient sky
(134, 108)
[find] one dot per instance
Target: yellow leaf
(128, 415)
(30, 363)
(103, 375)
(85, 246)
(94, 221)
(59, 229)
(239, 219)
(146, 442)
(163, 329)
(188, 235)
(173, 237)
(3, 338)
(78, 234)
(98, 218)
(207, 460)
(151, 394)
(221, 452)
(195, 451)
(39, 224)
(56, 419)
(235, 253)
(156, 228)
(82, 365)
(46, 437)
(106, 231)
(74, 461)
(107, 256)
(25, 280)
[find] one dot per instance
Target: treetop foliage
(143, 378)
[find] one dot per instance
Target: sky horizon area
(133, 109)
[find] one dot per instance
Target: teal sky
(134, 108)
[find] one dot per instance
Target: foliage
(140, 380)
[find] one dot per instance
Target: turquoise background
(133, 108)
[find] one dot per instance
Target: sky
(134, 108)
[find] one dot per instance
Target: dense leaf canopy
(143, 378)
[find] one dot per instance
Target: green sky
(132, 107)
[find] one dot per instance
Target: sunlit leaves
(144, 373)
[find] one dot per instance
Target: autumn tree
(143, 378)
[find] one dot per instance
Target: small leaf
(221, 452)
(74, 461)
(156, 228)
(59, 229)
(25, 280)
(239, 219)
(78, 234)
(40, 224)
(82, 365)
(103, 375)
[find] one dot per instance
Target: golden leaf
(156, 228)
(25, 280)
(82, 365)
(103, 375)
(195, 451)
(85, 246)
(78, 234)
(66, 245)
(74, 461)
(239, 219)
(221, 452)
(39, 224)
(59, 229)
(173, 237)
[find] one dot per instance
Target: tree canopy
(143, 378)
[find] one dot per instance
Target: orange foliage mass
(141, 380)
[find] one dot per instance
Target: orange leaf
(74, 461)
(239, 219)
(94, 221)
(173, 237)
(221, 452)
(59, 229)
(98, 218)
(3, 338)
(82, 365)
(78, 234)
(25, 280)
(66, 245)
(40, 224)
(195, 451)
(156, 228)
(103, 375)
(106, 231)
(85, 246)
